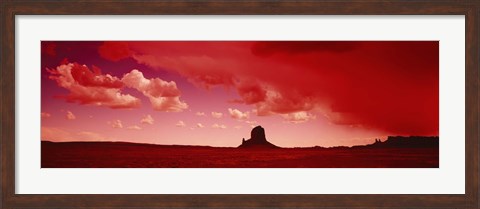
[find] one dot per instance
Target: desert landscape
(395, 152)
(128, 155)
(209, 103)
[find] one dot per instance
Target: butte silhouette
(257, 140)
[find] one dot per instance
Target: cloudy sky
(304, 93)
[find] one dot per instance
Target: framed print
(258, 104)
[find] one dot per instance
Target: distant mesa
(257, 139)
(404, 142)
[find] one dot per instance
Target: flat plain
(132, 155)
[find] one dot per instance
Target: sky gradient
(304, 93)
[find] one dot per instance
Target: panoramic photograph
(239, 104)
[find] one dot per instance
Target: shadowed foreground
(131, 155)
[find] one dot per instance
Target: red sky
(304, 93)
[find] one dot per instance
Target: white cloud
(217, 114)
(200, 125)
(163, 95)
(116, 124)
(237, 114)
(219, 126)
(181, 124)
(200, 114)
(134, 127)
(70, 116)
(298, 117)
(89, 88)
(147, 120)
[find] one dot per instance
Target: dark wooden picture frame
(9, 9)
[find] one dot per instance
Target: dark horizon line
(315, 146)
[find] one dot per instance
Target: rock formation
(404, 142)
(257, 139)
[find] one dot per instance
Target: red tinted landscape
(126, 155)
(256, 152)
(191, 104)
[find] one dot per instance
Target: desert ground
(131, 155)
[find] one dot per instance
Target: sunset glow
(304, 93)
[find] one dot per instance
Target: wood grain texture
(9, 9)
(7, 106)
(472, 104)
